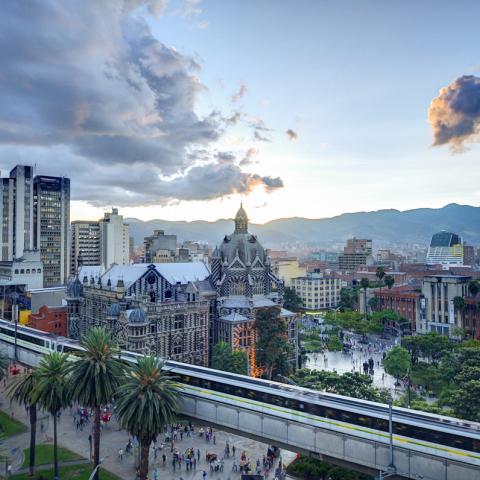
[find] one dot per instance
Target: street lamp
(391, 470)
(14, 296)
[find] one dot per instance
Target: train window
(364, 421)
(239, 392)
(252, 394)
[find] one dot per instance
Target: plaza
(114, 442)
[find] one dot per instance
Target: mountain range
(384, 227)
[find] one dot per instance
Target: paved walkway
(113, 439)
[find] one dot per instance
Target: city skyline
(175, 110)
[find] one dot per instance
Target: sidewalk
(113, 439)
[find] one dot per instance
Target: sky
(181, 109)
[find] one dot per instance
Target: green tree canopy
(223, 358)
(272, 347)
(397, 362)
(389, 281)
(291, 300)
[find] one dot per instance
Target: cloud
(240, 94)
(206, 182)
(89, 92)
(249, 156)
(455, 114)
(259, 130)
(292, 135)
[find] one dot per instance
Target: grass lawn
(44, 455)
(9, 426)
(73, 472)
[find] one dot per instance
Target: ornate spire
(241, 221)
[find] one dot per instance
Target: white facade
(16, 205)
(114, 240)
(318, 292)
(26, 270)
(446, 249)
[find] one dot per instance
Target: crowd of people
(167, 452)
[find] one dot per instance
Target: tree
(52, 392)
(239, 364)
(3, 365)
(291, 300)
(389, 281)
(272, 347)
(348, 298)
(223, 358)
(22, 391)
(380, 273)
(473, 287)
(364, 283)
(96, 377)
(145, 404)
(397, 362)
(373, 303)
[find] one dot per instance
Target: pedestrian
(120, 455)
(198, 454)
(155, 474)
(194, 463)
(204, 475)
(164, 458)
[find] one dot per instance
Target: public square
(114, 441)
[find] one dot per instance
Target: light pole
(390, 431)
(14, 296)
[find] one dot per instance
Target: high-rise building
(446, 249)
(468, 255)
(357, 252)
(114, 240)
(17, 213)
(318, 292)
(85, 244)
(51, 211)
(161, 246)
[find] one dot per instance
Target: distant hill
(384, 227)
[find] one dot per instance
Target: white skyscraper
(114, 240)
(16, 205)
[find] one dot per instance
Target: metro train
(424, 432)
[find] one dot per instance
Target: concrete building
(85, 248)
(51, 210)
(160, 247)
(114, 240)
(468, 255)
(16, 205)
(318, 292)
(446, 249)
(356, 253)
(26, 270)
(437, 311)
(287, 269)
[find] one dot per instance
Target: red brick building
(50, 320)
(403, 300)
(471, 318)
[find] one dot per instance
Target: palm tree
(389, 281)
(95, 378)
(380, 273)
(4, 361)
(22, 390)
(52, 392)
(364, 283)
(146, 402)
